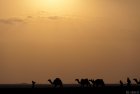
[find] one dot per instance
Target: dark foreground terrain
(26, 89)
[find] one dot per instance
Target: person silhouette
(128, 82)
(121, 83)
(33, 84)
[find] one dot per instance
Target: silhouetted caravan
(121, 83)
(56, 83)
(97, 82)
(33, 84)
(137, 82)
(83, 82)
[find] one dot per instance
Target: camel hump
(99, 80)
(33, 82)
(57, 79)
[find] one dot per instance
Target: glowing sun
(55, 2)
(54, 5)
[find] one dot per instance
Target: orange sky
(42, 39)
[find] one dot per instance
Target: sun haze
(42, 39)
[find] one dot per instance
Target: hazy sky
(42, 39)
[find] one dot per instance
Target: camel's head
(57, 79)
(49, 80)
(134, 79)
(76, 79)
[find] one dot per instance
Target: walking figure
(121, 83)
(33, 84)
(128, 82)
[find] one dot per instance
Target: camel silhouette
(97, 82)
(137, 82)
(56, 83)
(83, 82)
(33, 84)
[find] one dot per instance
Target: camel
(83, 82)
(137, 82)
(97, 82)
(56, 82)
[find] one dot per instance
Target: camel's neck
(136, 81)
(50, 81)
(78, 81)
